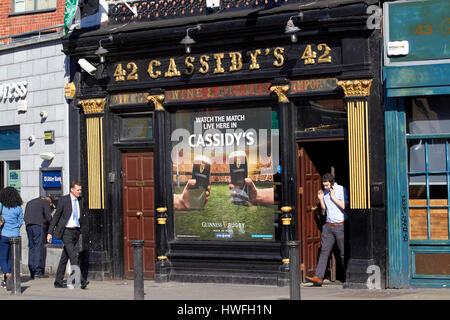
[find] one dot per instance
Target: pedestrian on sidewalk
(66, 225)
(37, 217)
(334, 201)
(10, 206)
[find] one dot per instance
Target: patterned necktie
(75, 211)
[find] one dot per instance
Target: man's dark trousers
(330, 235)
(35, 244)
(70, 239)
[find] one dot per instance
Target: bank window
(136, 128)
(428, 137)
(20, 6)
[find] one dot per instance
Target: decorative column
(162, 267)
(288, 175)
(356, 94)
(359, 226)
(93, 109)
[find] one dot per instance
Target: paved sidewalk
(42, 289)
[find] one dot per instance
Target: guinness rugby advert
(224, 163)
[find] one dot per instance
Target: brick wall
(10, 25)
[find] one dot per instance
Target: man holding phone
(333, 200)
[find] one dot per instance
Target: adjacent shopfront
(213, 155)
(417, 135)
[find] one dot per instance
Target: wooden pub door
(138, 210)
(309, 230)
(315, 159)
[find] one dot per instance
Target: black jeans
(70, 239)
(330, 236)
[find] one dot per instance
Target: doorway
(314, 159)
(138, 210)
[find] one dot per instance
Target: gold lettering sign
(221, 92)
(220, 63)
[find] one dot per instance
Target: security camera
(87, 66)
(32, 139)
(47, 155)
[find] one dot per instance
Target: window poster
(224, 163)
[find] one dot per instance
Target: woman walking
(11, 210)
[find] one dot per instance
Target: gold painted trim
(94, 142)
(157, 101)
(162, 258)
(285, 261)
(281, 92)
(359, 168)
(286, 221)
(92, 105)
(161, 210)
(161, 220)
(356, 88)
(286, 209)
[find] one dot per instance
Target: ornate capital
(93, 105)
(157, 101)
(281, 92)
(356, 88)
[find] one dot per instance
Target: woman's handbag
(2, 220)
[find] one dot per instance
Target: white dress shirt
(334, 213)
(71, 223)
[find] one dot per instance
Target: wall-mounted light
(292, 29)
(43, 114)
(187, 40)
(101, 52)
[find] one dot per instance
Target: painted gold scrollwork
(93, 105)
(157, 101)
(356, 88)
(281, 92)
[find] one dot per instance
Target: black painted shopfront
(253, 117)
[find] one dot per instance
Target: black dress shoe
(60, 285)
(84, 285)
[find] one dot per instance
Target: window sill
(31, 12)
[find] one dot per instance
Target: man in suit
(37, 217)
(65, 225)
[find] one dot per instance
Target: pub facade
(204, 131)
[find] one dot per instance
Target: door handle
(314, 208)
(139, 214)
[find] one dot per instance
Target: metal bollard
(14, 282)
(138, 270)
(294, 270)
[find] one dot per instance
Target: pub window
(428, 137)
(20, 6)
(321, 115)
(136, 127)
